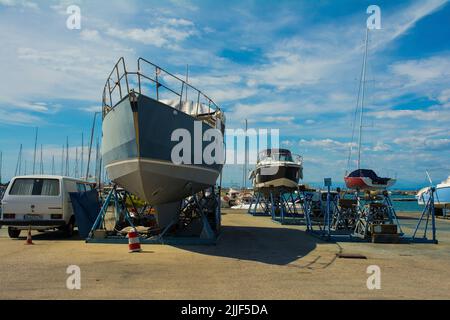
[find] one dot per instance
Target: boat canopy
(279, 155)
(367, 173)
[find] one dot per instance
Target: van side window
(35, 187)
(22, 187)
(50, 187)
(81, 187)
(88, 187)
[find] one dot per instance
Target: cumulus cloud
(424, 143)
(423, 70)
(424, 115)
(19, 3)
(327, 144)
(166, 33)
(90, 35)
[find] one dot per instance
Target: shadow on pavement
(277, 246)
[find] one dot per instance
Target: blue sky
(291, 65)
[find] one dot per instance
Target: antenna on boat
(429, 178)
(35, 147)
(1, 162)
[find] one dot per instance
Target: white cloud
(424, 143)
(444, 96)
(280, 119)
(90, 35)
(18, 118)
(327, 144)
(381, 147)
(167, 33)
(423, 70)
(403, 20)
(423, 115)
(92, 109)
(19, 3)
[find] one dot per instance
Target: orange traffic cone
(29, 240)
(133, 241)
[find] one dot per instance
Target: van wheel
(13, 233)
(68, 229)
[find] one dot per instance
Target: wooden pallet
(385, 238)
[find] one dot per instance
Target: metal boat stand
(429, 214)
(259, 205)
(283, 206)
(375, 212)
(338, 221)
(203, 207)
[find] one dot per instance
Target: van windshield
(35, 187)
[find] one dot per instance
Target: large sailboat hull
(160, 182)
(137, 151)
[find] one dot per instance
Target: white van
(41, 202)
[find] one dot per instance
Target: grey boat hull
(137, 149)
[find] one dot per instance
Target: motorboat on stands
(277, 168)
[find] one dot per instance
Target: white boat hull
(441, 197)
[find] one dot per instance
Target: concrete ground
(255, 258)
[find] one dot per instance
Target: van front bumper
(39, 223)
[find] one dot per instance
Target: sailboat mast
(62, 160)
(363, 84)
(19, 162)
(35, 149)
(244, 169)
(67, 173)
(1, 162)
(82, 154)
(41, 166)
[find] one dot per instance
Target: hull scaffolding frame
(202, 208)
(279, 203)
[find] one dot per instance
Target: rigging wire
(355, 117)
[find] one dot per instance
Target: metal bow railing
(120, 85)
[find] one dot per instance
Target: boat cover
(86, 208)
(189, 107)
(366, 173)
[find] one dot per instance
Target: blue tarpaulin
(86, 208)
